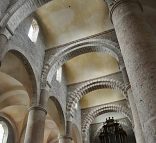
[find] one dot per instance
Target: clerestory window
(3, 132)
(59, 74)
(33, 31)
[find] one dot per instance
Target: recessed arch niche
(17, 66)
(56, 114)
(14, 101)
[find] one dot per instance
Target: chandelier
(112, 132)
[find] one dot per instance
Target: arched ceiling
(63, 21)
(14, 100)
(14, 67)
(89, 66)
(99, 97)
(8, 83)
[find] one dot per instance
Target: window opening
(59, 74)
(33, 31)
(3, 132)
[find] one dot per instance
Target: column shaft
(35, 125)
(138, 47)
(137, 125)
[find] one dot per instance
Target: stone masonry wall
(34, 52)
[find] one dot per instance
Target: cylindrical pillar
(35, 125)
(137, 125)
(138, 47)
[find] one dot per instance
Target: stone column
(36, 119)
(137, 125)
(138, 47)
(35, 125)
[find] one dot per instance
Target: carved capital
(38, 107)
(65, 139)
(113, 4)
(6, 32)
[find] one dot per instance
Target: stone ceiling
(63, 21)
(67, 20)
(89, 66)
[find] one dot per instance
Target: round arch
(75, 96)
(29, 68)
(57, 113)
(101, 110)
(76, 49)
(18, 12)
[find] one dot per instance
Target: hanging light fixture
(112, 132)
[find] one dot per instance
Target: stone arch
(29, 68)
(18, 12)
(104, 109)
(75, 96)
(57, 113)
(76, 49)
(13, 97)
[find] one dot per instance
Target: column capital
(38, 107)
(6, 32)
(113, 4)
(65, 139)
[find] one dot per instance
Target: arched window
(33, 31)
(3, 132)
(7, 130)
(59, 74)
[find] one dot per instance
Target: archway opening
(16, 65)
(55, 121)
(14, 102)
(3, 132)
